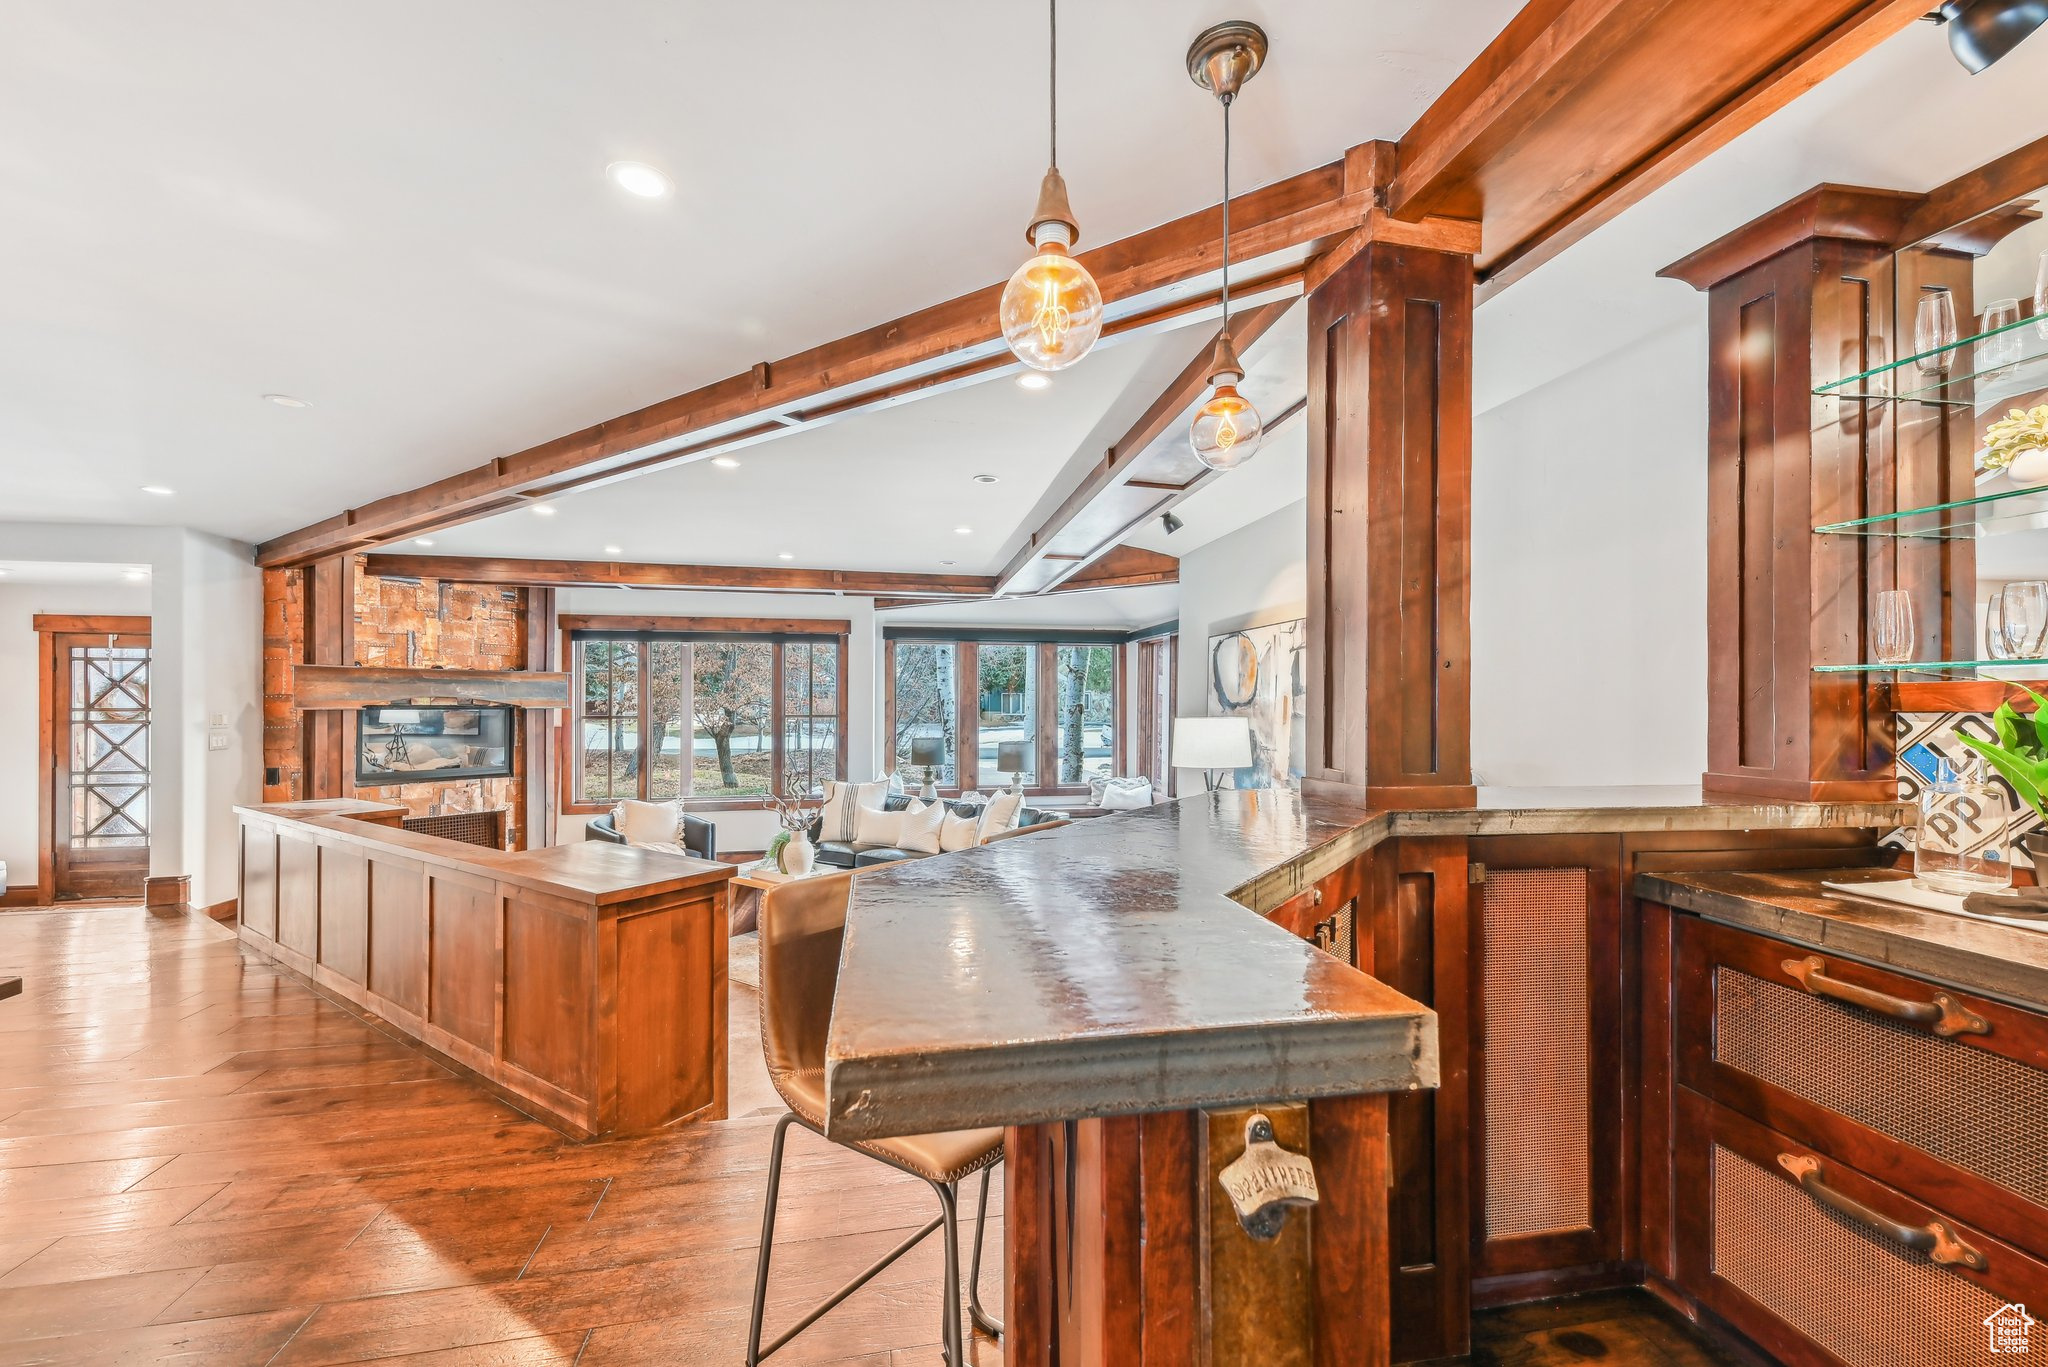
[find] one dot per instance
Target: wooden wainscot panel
(259, 880)
(398, 933)
(550, 963)
(658, 1036)
(298, 896)
(345, 913)
(462, 995)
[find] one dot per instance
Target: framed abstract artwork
(1258, 674)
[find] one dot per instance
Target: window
(925, 690)
(1007, 712)
(1058, 699)
(705, 710)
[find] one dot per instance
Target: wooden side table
(747, 886)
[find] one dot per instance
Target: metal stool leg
(982, 1319)
(767, 1240)
(949, 1322)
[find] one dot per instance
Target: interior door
(96, 744)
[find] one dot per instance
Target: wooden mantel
(345, 687)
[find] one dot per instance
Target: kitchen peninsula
(1453, 1057)
(586, 983)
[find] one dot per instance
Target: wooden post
(1389, 511)
(330, 592)
(1796, 298)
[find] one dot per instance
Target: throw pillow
(1000, 815)
(647, 823)
(922, 828)
(1126, 794)
(873, 827)
(959, 832)
(843, 802)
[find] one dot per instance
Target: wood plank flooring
(204, 1161)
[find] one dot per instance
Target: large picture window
(705, 710)
(1055, 700)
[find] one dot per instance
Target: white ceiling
(1143, 606)
(397, 212)
(68, 572)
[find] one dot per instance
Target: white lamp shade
(1211, 742)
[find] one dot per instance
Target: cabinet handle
(1935, 1239)
(1944, 1015)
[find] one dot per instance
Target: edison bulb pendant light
(1227, 430)
(1051, 311)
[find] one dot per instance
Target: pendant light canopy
(1052, 311)
(1227, 430)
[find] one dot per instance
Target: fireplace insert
(430, 744)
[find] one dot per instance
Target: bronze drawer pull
(1945, 1016)
(1935, 1239)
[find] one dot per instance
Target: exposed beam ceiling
(1127, 567)
(1122, 567)
(1580, 108)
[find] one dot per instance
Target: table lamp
(1013, 757)
(930, 751)
(1212, 744)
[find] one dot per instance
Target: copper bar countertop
(1985, 957)
(1116, 966)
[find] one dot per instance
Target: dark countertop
(1111, 966)
(1993, 960)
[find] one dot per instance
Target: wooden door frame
(48, 627)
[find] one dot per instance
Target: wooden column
(1797, 298)
(543, 652)
(330, 596)
(1389, 509)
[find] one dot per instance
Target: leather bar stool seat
(803, 924)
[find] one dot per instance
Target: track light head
(1982, 31)
(1171, 523)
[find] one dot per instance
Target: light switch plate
(216, 742)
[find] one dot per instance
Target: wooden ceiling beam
(1122, 568)
(1974, 194)
(1580, 108)
(1299, 215)
(641, 574)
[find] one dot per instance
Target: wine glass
(1891, 624)
(2023, 617)
(2041, 297)
(2000, 350)
(1934, 330)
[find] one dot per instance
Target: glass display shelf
(1945, 669)
(1957, 372)
(2004, 510)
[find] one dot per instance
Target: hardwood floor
(204, 1161)
(1612, 1329)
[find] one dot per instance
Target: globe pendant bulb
(1227, 430)
(1052, 311)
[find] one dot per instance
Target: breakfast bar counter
(586, 983)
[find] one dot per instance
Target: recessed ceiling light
(949, 562)
(423, 541)
(638, 178)
(963, 531)
(725, 462)
(784, 555)
(135, 574)
(543, 510)
(287, 401)
(614, 550)
(159, 490)
(986, 479)
(1031, 379)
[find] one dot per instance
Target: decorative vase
(798, 855)
(2029, 467)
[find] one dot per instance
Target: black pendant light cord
(1052, 9)
(1226, 214)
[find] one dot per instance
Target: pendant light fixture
(1052, 311)
(1227, 430)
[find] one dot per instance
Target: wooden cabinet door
(95, 740)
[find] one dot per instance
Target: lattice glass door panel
(107, 746)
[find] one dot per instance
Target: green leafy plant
(2021, 753)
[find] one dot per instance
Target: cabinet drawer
(1942, 1092)
(1822, 1265)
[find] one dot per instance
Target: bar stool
(802, 925)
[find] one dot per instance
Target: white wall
(1256, 575)
(1589, 571)
(752, 830)
(21, 774)
(206, 611)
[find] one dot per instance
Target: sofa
(700, 837)
(844, 854)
